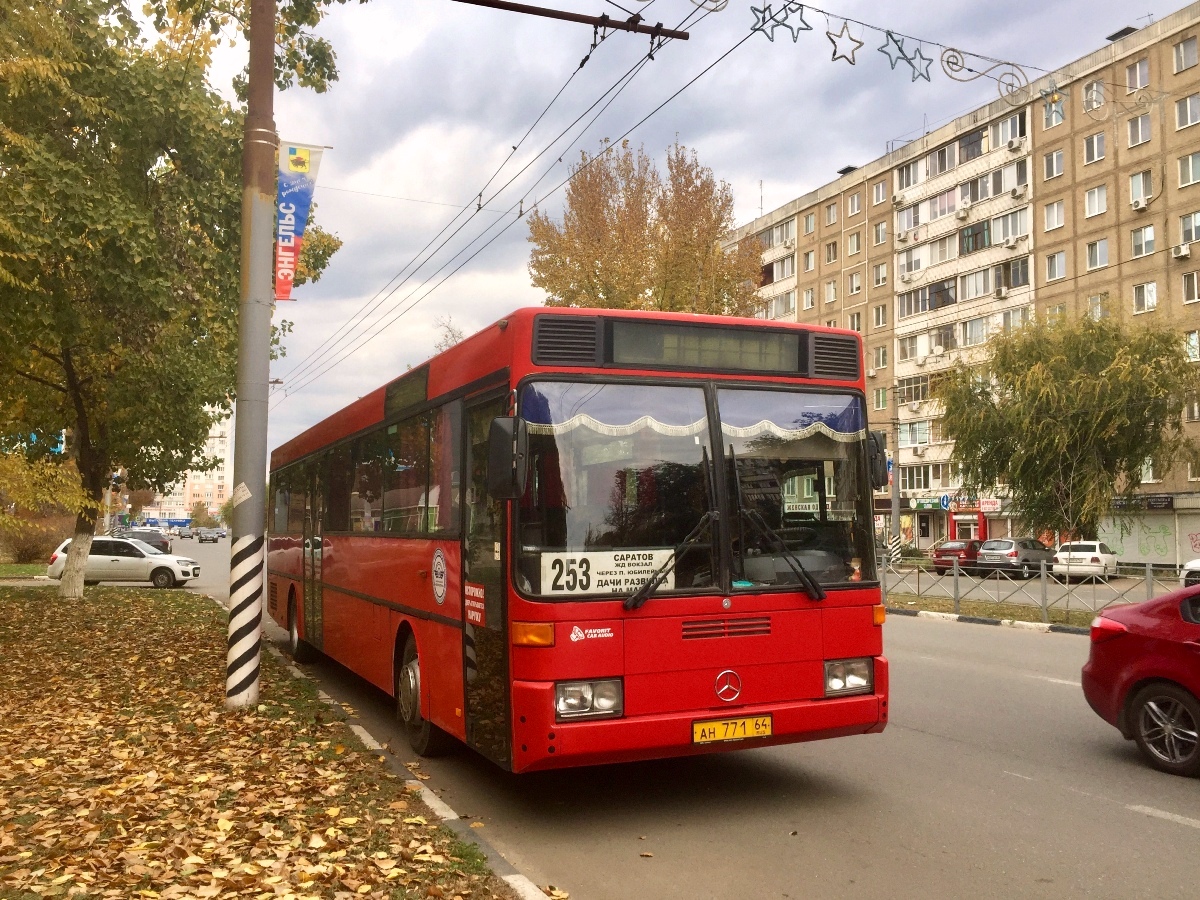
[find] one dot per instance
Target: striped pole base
(245, 621)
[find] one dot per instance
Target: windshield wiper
(638, 598)
(810, 584)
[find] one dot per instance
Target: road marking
(1015, 775)
(366, 737)
(1065, 681)
(1170, 817)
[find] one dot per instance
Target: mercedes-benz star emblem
(729, 685)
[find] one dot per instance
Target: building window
(831, 214)
(1097, 254)
(912, 434)
(1093, 95)
(1055, 213)
(853, 203)
(1095, 201)
(808, 298)
(879, 275)
(1191, 345)
(976, 284)
(1143, 241)
(1191, 413)
(941, 160)
(1141, 186)
(831, 323)
(906, 348)
(943, 249)
(907, 175)
(974, 331)
(1013, 274)
(880, 232)
(1013, 319)
(831, 252)
(1189, 228)
(970, 146)
(1093, 148)
(1189, 169)
(1187, 111)
(1054, 164)
(830, 291)
(854, 284)
(1056, 266)
(810, 260)
(1137, 75)
(1055, 313)
(1185, 54)
(810, 223)
(914, 478)
(1052, 114)
(878, 192)
(908, 218)
(1191, 287)
(854, 243)
(778, 235)
(1139, 129)
(854, 321)
(879, 354)
(1095, 307)
(879, 316)
(881, 398)
(1012, 225)
(1010, 129)
(1148, 472)
(974, 237)
(910, 261)
(1145, 297)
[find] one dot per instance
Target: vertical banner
(297, 179)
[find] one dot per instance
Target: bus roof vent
(566, 341)
(834, 356)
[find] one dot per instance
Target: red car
(966, 552)
(1143, 676)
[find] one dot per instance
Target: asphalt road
(993, 779)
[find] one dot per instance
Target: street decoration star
(893, 49)
(796, 10)
(762, 19)
(844, 44)
(1053, 97)
(920, 69)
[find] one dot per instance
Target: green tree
(1066, 416)
(225, 513)
(201, 518)
(120, 202)
(631, 239)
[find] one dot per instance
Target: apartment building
(1080, 198)
(211, 487)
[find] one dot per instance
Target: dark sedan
(155, 539)
(1143, 676)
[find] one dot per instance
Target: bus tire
(299, 649)
(424, 737)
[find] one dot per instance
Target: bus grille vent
(565, 341)
(723, 628)
(273, 592)
(835, 357)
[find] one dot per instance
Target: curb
(1044, 627)
(522, 885)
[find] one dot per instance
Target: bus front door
(485, 630)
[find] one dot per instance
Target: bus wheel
(299, 649)
(423, 736)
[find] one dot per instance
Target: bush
(33, 542)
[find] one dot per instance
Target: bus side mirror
(877, 454)
(508, 449)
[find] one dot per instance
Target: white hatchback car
(1085, 559)
(1190, 573)
(127, 559)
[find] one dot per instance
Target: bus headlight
(588, 699)
(849, 676)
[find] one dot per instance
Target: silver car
(1018, 556)
(127, 559)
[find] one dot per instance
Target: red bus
(587, 536)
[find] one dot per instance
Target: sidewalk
(126, 777)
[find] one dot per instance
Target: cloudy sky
(434, 94)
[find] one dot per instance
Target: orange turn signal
(533, 634)
(880, 613)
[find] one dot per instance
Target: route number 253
(571, 574)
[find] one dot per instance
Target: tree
(225, 513)
(1066, 415)
(631, 240)
(119, 244)
(200, 516)
(33, 488)
(451, 333)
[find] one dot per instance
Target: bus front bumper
(540, 742)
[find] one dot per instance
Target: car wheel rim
(1168, 730)
(409, 691)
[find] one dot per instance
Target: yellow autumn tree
(632, 239)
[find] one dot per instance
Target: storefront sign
(989, 505)
(926, 502)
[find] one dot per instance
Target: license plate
(713, 731)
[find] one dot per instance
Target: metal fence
(1133, 583)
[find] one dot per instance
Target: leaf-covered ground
(122, 775)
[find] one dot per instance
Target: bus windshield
(796, 477)
(620, 474)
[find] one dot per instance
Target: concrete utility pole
(254, 364)
(894, 533)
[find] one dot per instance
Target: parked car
(186, 533)
(1190, 573)
(1018, 556)
(151, 536)
(1084, 559)
(221, 532)
(207, 534)
(126, 559)
(1143, 676)
(966, 552)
